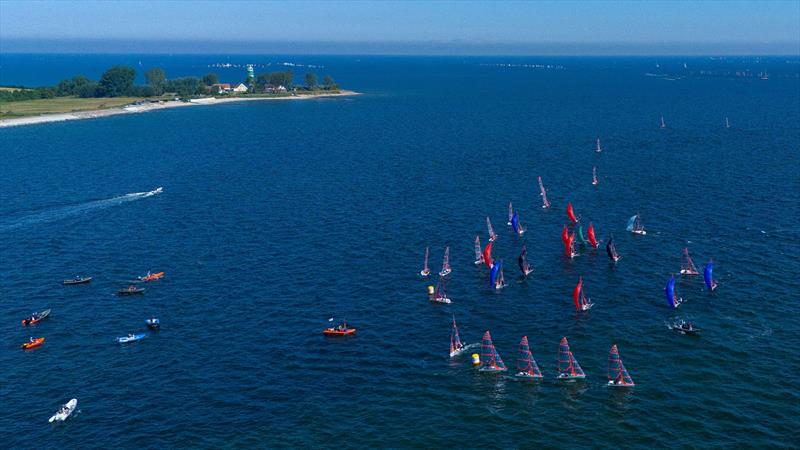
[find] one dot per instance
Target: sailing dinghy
(672, 298)
(568, 367)
(594, 176)
(515, 225)
(446, 263)
(571, 214)
(487, 255)
(523, 262)
(580, 235)
(425, 270)
(611, 249)
(490, 359)
(727, 123)
(592, 239)
(598, 148)
(526, 366)
(635, 225)
(708, 276)
(569, 246)
(440, 295)
(456, 346)
(492, 235)
(617, 374)
(543, 193)
(687, 266)
(478, 252)
(510, 213)
(496, 277)
(579, 298)
(663, 124)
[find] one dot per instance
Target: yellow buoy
(476, 359)
(430, 290)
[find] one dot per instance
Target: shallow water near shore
(276, 216)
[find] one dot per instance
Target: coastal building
(221, 87)
(240, 88)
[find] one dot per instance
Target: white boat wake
(62, 212)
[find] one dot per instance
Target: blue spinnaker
(495, 271)
(708, 275)
(515, 222)
(631, 222)
(670, 291)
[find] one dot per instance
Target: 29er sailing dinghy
(527, 368)
(523, 262)
(543, 193)
(515, 225)
(510, 213)
(568, 367)
(708, 276)
(456, 346)
(594, 176)
(579, 298)
(598, 148)
(492, 235)
(439, 295)
(635, 225)
(672, 298)
(592, 238)
(446, 263)
(617, 374)
(687, 266)
(611, 249)
(571, 214)
(65, 411)
(496, 276)
(425, 270)
(478, 252)
(490, 359)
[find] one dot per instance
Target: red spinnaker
(576, 295)
(487, 255)
(571, 213)
(564, 235)
(592, 238)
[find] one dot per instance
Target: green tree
(88, 90)
(281, 79)
(311, 80)
(186, 86)
(117, 81)
(262, 81)
(157, 80)
(328, 82)
(210, 78)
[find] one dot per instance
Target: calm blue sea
(276, 216)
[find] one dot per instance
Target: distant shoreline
(147, 107)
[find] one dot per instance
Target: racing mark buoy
(430, 290)
(476, 359)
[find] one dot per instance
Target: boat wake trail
(63, 212)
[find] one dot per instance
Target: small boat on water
(510, 213)
(592, 238)
(153, 323)
(527, 368)
(339, 330)
(568, 367)
(672, 297)
(569, 246)
(152, 276)
(440, 295)
(456, 346)
(708, 276)
(543, 193)
(35, 318)
(131, 337)
(727, 122)
(594, 176)
(478, 252)
(598, 147)
(522, 261)
(611, 250)
(446, 263)
(492, 235)
(33, 343)
(579, 298)
(571, 214)
(131, 290)
(516, 225)
(663, 124)
(487, 255)
(490, 359)
(77, 280)
(635, 225)
(687, 266)
(496, 276)
(683, 327)
(65, 411)
(617, 374)
(425, 270)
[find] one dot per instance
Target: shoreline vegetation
(116, 93)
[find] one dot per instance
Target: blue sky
(686, 26)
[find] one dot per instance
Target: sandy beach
(147, 107)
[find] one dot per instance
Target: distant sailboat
(515, 225)
(592, 238)
(492, 235)
(487, 255)
(611, 249)
(456, 346)
(594, 176)
(663, 124)
(478, 252)
(568, 367)
(490, 359)
(727, 122)
(440, 295)
(708, 276)
(543, 193)
(425, 270)
(598, 149)
(496, 277)
(687, 266)
(510, 213)
(571, 214)
(635, 225)
(569, 246)
(523, 262)
(526, 365)
(579, 298)
(672, 298)
(617, 374)
(580, 235)
(565, 235)
(446, 263)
